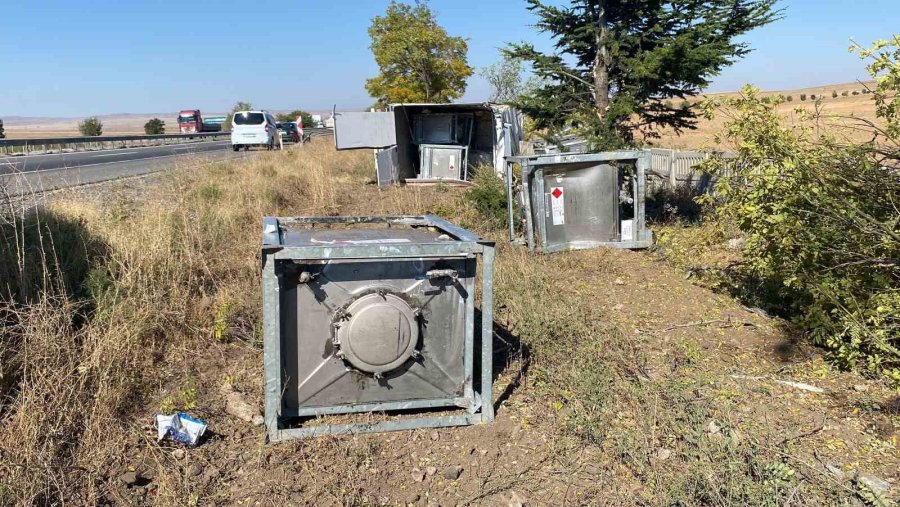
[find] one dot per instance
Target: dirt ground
(703, 377)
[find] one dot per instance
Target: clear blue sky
(75, 58)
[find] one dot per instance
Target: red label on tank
(556, 192)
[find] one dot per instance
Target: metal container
(572, 202)
(374, 314)
(440, 161)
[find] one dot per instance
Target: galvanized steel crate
(374, 314)
(577, 201)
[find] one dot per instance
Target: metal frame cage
(278, 253)
(534, 169)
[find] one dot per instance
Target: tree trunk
(601, 62)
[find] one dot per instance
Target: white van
(253, 128)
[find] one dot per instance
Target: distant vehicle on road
(290, 132)
(253, 128)
(190, 121)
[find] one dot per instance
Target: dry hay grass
(114, 307)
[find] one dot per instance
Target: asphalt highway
(33, 163)
(41, 173)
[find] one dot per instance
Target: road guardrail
(70, 144)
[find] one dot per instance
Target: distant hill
(838, 112)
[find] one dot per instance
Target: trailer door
(353, 130)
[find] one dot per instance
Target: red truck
(190, 121)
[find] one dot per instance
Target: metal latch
(434, 274)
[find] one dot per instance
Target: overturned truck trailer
(426, 142)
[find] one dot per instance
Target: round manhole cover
(381, 333)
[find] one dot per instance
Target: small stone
(713, 428)
(418, 475)
(434, 435)
(429, 471)
(452, 473)
(874, 483)
(258, 420)
(193, 471)
(663, 454)
(619, 281)
(736, 243)
(861, 388)
(129, 478)
(178, 454)
(515, 500)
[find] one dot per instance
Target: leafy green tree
(505, 78)
(91, 127)
(238, 106)
(820, 220)
(418, 60)
(884, 62)
(155, 127)
(617, 61)
(292, 116)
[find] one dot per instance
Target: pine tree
(617, 61)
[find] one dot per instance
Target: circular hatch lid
(381, 333)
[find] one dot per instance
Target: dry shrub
(94, 296)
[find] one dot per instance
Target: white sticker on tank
(557, 205)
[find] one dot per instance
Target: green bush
(845, 93)
(812, 96)
(834, 94)
(802, 96)
(855, 92)
(488, 196)
(155, 127)
(790, 98)
(91, 127)
(822, 231)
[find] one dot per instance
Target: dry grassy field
(123, 124)
(837, 114)
(620, 382)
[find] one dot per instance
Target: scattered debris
(835, 470)
(789, 383)
(178, 454)
(801, 386)
(452, 473)
(712, 428)
(756, 310)
(720, 322)
(861, 388)
(619, 281)
(180, 428)
(237, 406)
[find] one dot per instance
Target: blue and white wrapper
(180, 428)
